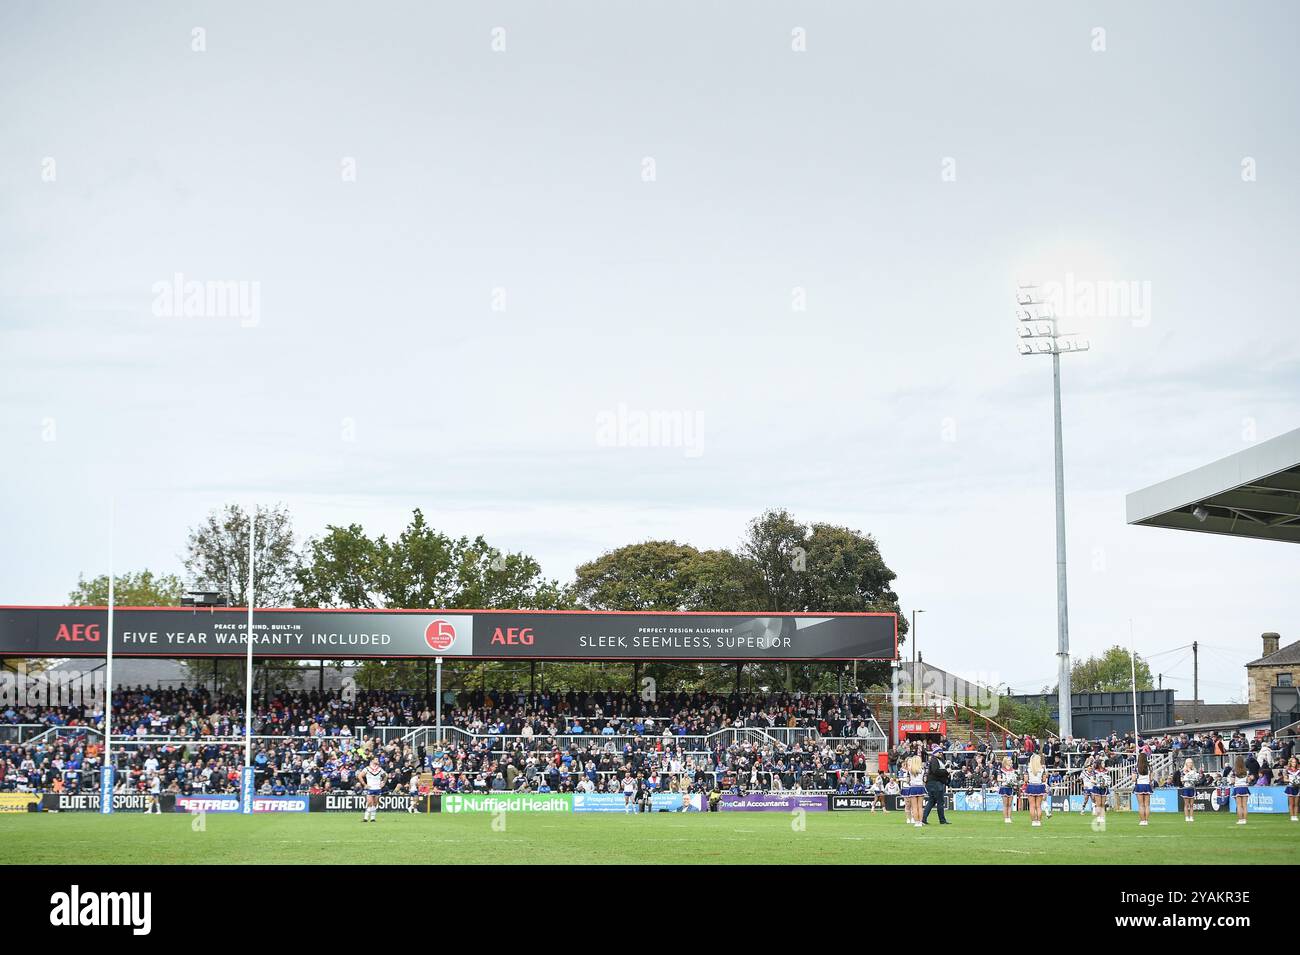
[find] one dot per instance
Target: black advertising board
(483, 634)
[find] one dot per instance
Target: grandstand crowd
(313, 742)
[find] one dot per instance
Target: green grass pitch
(130, 838)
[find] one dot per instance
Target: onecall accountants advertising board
(520, 634)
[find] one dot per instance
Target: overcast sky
(469, 237)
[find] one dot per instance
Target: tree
(142, 589)
(338, 570)
(781, 565)
(776, 544)
(1032, 718)
(421, 568)
(1109, 673)
(665, 575)
(846, 574)
(217, 557)
(721, 580)
(820, 569)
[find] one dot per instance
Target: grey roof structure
(1253, 493)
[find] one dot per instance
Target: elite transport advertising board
(483, 634)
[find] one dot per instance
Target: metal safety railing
(607, 781)
(765, 742)
(18, 733)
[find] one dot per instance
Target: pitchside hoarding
(521, 634)
(388, 802)
(615, 802)
(89, 801)
(507, 802)
(773, 802)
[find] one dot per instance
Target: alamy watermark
(1110, 298)
(63, 687)
(180, 297)
(626, 427)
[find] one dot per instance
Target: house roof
(1288, 655)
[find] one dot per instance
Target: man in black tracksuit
(936, 787)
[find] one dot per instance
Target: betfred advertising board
(281, 803)
(211, 803)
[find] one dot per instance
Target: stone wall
(1262, 679)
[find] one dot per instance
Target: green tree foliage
(781, 565)
(822, 568)
(665, 575)
(776, 545)
(1034, 718)
(1109, 673)
(142, 589)
(814, 569)
(217, 556)
(422, 567)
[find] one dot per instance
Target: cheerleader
(1098, 789)
(1187, 789)
(891, 789)
(915, 790)
(1035, 789)
(1007, 787)
(1293, 787)
(1241, 789)
(878, 794)
(1142, 789)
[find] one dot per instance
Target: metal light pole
(1040, 335)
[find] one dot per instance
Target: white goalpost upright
(107, 773)
(247, 789)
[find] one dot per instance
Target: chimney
(1270, 642)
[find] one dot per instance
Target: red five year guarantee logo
(440, 635)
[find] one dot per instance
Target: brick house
(1277, 667)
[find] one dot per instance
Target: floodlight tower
(1040, 334)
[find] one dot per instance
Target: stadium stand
(504, 741)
